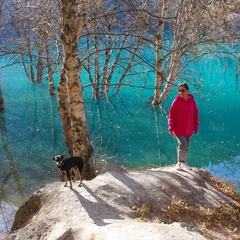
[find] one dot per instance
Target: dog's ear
(62, 156)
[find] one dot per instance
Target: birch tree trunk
(180, 33)
(96, 67)
(74, 103)
(159, 79)
(105, 81)
(172, 76)
(64, 110)
(129, 65)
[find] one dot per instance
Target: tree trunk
(96, 63)
(105, 80)
(64, 111)
(159, 79)
(49, 70)
(172, 76)
(129, 65)
(1, 99)
(32, 75)
(93, 80)
(180, 33)
(79, 130)
(40, 63)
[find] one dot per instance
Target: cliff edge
(142, 204)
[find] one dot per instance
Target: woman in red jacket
(183, 122)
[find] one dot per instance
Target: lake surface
(123, 128)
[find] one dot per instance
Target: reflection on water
(123, 128)
(6, 217)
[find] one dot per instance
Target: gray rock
(118, 205)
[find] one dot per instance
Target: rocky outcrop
(144, 204)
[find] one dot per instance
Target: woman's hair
(183, 85)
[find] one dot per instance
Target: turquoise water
(123, 128)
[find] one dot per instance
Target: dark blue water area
(123, 127)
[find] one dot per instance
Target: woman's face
(183, 92)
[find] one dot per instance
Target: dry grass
(220, 223)
(223, 186)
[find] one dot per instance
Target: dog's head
(58, 159)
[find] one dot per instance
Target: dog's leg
(75, 171)
(80, 180)
(65, 178)
(70, 180)
(77, 175)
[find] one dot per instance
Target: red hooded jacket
(183, 117)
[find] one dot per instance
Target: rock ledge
(141, 204)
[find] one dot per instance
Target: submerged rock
(142, 204)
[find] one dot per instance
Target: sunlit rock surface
(141, 204)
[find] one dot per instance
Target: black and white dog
(66, 165)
